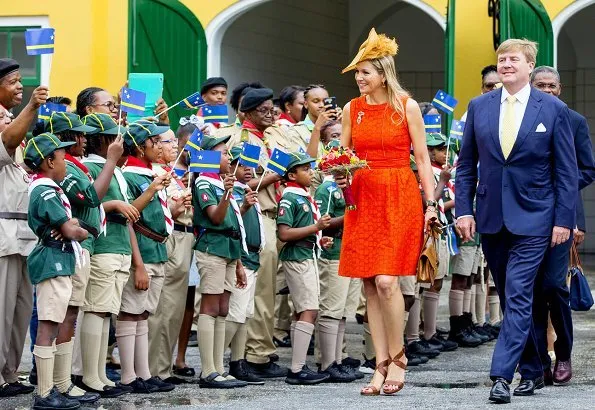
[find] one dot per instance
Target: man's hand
(559, 235)
(141, 278)
(579, 237)
(466, 228)
(115, 149)
(39, 97)
(241, 280)
(324, 222)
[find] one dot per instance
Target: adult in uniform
(16, 239)
(257, 107)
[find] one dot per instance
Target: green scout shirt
(336, 209)
(46, 212)
(209, 240)
(117, 238)
(295, 212)
(84, 201)
(252, 228)
(152, 217)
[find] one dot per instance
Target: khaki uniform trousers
(16, 305)
(283, 307)
(259, 344)
(165, 323)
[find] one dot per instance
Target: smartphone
(152, 85)
(332, 101)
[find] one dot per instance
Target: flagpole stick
(176, 162)
(447, 151)
(261, 178)
(328, 207)
(234, 173)
(119, 118)
(167, 109)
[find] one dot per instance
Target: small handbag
(581, 298)
(427, 266)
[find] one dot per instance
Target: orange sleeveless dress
(383, 236)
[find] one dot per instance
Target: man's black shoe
(351, 362)
(286, 342)
(438, 342)
(160, 384)
(420, 347)
(500, 392)
(33, 376)
(527, 387)
(305, 376)
(242, 371)
(268, 370)
(56, 401)
(337, 375)
(138, 386)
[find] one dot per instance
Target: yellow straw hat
(375, 46)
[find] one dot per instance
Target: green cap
(235, 153)
(435, 139)
(104, 123)
(140, 131)
(333, 144)
(298, 159)
(39, 147)
(412, 163)
(67, 121)
(208, 143)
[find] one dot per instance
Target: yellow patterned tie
(508, 127)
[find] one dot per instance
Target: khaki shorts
(443, 259)
(217, 274)
(353, 295)
(241, 302)
(52, 298)
(464, 262)
(334, 289)
(302, 280)
(109, 274)
(136, 301)
(80, 280)
(408, 285)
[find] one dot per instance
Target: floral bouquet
(342, 162)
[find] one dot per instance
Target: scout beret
(208, 143)
(67, 121)
(38, 148)
(7, 66)
(254, 98)
(212, 83)
(298, 159)
(140, 131)
(104, 123)
(435, 139)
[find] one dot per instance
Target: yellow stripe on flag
(40, 47)
(437, 101)
(135, 106)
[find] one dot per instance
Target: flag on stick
(278, 162)
(39, 41)
(192, 101)
(215, 113)
(45, 111)
(193, 144)
(444, 102)
(432, 123)
(250, 155)
(133, 101)
(205, 161)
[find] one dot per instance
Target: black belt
(230, 233)
(63, 246)
(89, 228)
(253, 249)
(183, 228)
(116, 218)
(303, 244)
(21, 216)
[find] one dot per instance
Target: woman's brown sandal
(371, 390)
(394, 386)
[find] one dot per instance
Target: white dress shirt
(520, 105)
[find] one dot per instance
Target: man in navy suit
(555, 293)
(522, 141)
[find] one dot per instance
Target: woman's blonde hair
(396, 93)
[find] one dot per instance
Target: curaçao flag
(39, 41)
(444, 102)
(250, 155)
(432, 123)
(192, 101)
(205, 161)
(278, 161)
(45, 110)
(133, 101)
(215, 113)
(193, 144)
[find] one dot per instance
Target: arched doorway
(281, 42)
(576, 62)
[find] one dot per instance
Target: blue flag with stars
(192, 101)
(193, 144)
(432, 123)
(205, 161)
(45, 111)
(444, 102)
(456, 129)
(179, 172)
(250, 155)
(39, 41)
(215, 113)
(133, 101)
(278, 162)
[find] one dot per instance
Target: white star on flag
(47, 109)
(200, 157)
(441, 96)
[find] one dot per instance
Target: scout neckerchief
(214, 179)
(122, 184)
(39, 180)
(285, 120)
(136, 166)
(437, 169)
(79, 165)
(293, 188)
(248, 125)
(259, 213)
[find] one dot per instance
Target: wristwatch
(431, 202)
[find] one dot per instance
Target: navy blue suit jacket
(584, 160)
(532, 190)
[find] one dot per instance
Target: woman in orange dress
(382, 237)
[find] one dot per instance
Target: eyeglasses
(264, 112)
(110, 105)
(167, 141)
(156, 140)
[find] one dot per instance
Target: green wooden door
(165, 37)
(528, 19)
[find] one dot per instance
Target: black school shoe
(160, 384)
(14, 389)
(439, 343)
(55, 401)
(351, 362)
(86, 398)
(305, 377)
(242, 371)
(285, 342)
(108, 392)
(356, 373)
(368, 366)
(138, 386)
(210, 382)
(337, 375)
(268, 370)
(421, 348)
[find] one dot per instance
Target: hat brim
(300, 162)
(65, 144)
(216, 141)
(159, 129)
(112, 131)
(84, 128)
